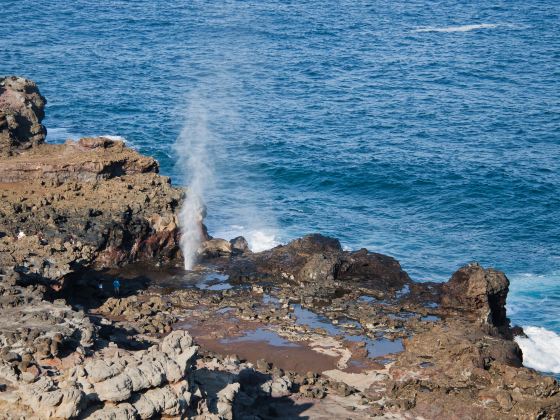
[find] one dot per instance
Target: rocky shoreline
(305, 330)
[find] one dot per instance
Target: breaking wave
(261, 240)
(258, 239)
(541, 349)
(114, 138)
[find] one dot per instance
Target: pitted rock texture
(151, 382)
(138, 385)
(52, 221)
(86, 160)
(482, 292)
(21, 113)
(317, 260)
(33, 329)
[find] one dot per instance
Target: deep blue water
(398, 127)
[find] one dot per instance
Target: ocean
(429, 131)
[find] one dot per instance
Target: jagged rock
(75, 161)
(239, 245)
(123, 411)
(118, 379)
(101, 370)
(51, 400)
(8, 372)
(480, 291)
(225, 400)
(320, 260)
(213, 248)
(277, 387)
(58, 212)
(163, 400)
(21, 113)
(141, 225)
(117, 388)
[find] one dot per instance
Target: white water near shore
(541, 349)
(534, 303)
(258, 239)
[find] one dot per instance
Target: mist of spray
(192, 151)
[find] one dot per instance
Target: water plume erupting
(191, 147)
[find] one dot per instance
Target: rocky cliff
(91, 202)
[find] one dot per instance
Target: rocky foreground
(304, 330)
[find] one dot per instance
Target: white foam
(261, 240)
(114, 138)
(258, 239)
(541, 349)
(462, 28)
(60, 134)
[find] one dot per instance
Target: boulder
(239, 245)
(214, 248)
(21, 113)
(225, 400)
(320, 260)
(480, 291)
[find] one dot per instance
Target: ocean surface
(426, 130)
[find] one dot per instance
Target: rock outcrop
(67, 208)
(138, 385)
(480, 292)
(317, 259)
(92, 202)
(21, 113)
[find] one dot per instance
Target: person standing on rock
(117, 286)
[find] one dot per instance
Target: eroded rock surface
(75, 206)
(22, 109)
(483, 293)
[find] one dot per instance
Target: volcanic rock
(317, 259)
(479, 291)
(21, 114)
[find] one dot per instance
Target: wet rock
(239, 245)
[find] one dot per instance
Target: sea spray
(541, 349)
(192, 154)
